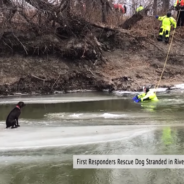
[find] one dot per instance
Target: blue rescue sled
(136, 99)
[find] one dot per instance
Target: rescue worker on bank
(167, 22)
(179, 5)
(140, 8)
(147, 95)
(120, 8)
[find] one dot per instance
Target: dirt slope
(105, 58)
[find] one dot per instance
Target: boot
(167, 40)
(159, 38)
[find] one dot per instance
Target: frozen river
(54, 128)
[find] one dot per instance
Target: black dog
(12, 119)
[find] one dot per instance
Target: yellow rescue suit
(150, 95)
(140, 8)
(167, 22)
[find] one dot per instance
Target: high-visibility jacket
(140, 8)
(150, 95)
(167, 22)
(120, 8)
(141, 95)
(179, 2)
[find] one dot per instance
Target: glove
(156, 16)
(138, 100)
(134, 98)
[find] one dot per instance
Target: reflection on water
(69, 122)
(55, 165)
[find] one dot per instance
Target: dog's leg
(14, 124)
(9, 124)
(17, 123)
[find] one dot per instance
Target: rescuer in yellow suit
(179, 7)
(140, 8)
(147, 95)
(167, 22)
(179, 3)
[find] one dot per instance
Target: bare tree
(155, 7)
(165, 5)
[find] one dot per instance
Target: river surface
(54, 128)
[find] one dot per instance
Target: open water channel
(54, 128)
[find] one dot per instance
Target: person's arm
(151, 95)
(176, 3)
(161, 18)
(141, 95)
(146, 97)
(173, 21)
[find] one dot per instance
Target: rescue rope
(167, 55)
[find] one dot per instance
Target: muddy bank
(98, 58)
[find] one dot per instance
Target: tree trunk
(165, 5)
(104, 18)
(155, 7)
(134, 19)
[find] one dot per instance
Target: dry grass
(147, 27)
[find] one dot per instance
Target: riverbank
(120, 60)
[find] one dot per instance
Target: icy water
(54, 128)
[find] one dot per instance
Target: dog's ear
(21, 104)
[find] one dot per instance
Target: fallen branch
(56, 81)
(21, 44)
(38, 78)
